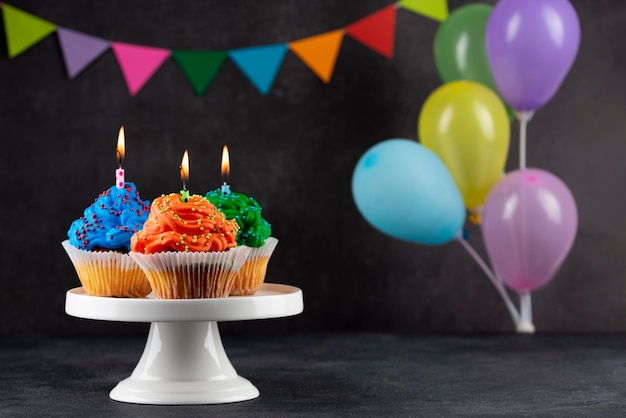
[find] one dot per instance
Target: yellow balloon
(467, 126)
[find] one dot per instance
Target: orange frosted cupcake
(188, 249)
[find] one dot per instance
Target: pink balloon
(529, 223)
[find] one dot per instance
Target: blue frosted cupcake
(99, 241)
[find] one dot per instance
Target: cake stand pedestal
(184, 361)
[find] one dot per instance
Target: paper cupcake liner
(192, 275)
(251, 276)
(108, 273)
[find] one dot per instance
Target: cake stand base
(184, 363)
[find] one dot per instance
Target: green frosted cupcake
(254, 232)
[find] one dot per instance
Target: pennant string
(261, 64)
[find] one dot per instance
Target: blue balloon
(404, 190)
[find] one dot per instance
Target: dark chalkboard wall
(294, 149)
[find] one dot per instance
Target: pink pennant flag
(138, 63)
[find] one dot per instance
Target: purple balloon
(531, 45)
(529, 223)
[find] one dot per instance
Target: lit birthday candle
(184, 177)
(119, 151)
(225, 170)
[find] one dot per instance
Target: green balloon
(460, 52)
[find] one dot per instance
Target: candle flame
(225, 163)
(121, 147)
(184, 169)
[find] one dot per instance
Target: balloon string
(495, 280)
(522, 144)
(526, 308)
(523, 118)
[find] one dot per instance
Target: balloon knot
(474, 218)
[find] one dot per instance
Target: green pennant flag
(200, 67)
(434, 9)
(23, 30)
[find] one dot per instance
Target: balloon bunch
(495, 62)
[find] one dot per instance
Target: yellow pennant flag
(434, 9)
(23, 30)
(319, 52)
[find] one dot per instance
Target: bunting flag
(138, 63)
(200, 67)
(23, 30)
(376, 31)
(319, 53)
(435, 9)
(79, 50)
(260, 64)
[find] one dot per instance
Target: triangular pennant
(23, 30)
(138, 63)
(319, 52)
(376, 31)
(434, 9)
(200, 67)
(260, 64)
(79, 49)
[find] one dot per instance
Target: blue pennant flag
(260, 64)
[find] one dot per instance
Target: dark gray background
(295, 150)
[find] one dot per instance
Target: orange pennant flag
(376, 31)
(319, 52)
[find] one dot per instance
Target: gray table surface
(339, 374)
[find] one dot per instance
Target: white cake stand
(184, 361)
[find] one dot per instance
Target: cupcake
(188, 249)
(99, 241)
(254, 232)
